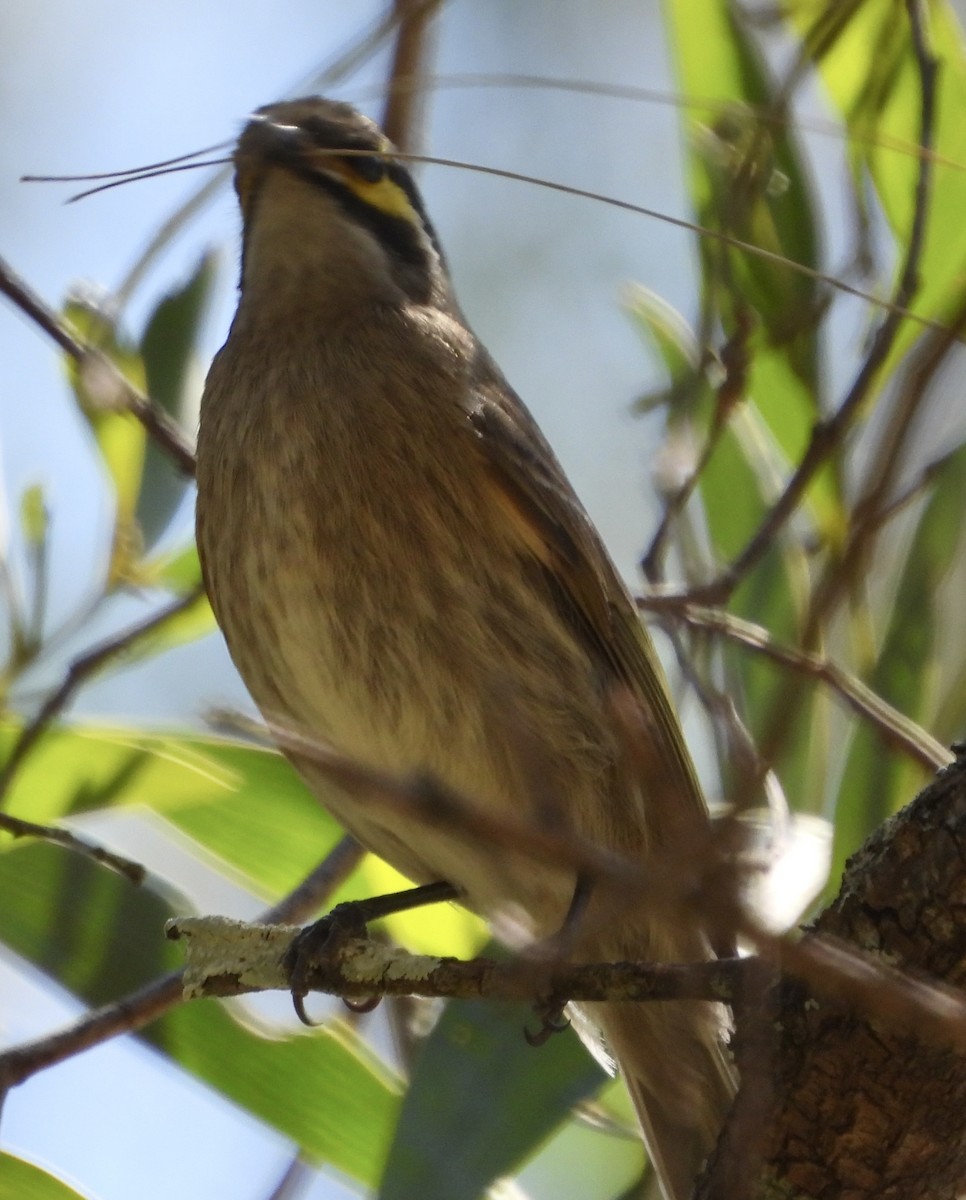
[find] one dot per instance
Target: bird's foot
(552, 1020)
(316, 944)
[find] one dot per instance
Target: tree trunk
(838, 1104)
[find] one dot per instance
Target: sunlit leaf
(76, 768)
(101, 937)
(178, 569)
(244, 805)
(747, 180)
(672, 338)
(323, 1090)
(908, 668)
(34, 517)
(21, 1180)
(120, 438)
(446, 929)
(869, 68)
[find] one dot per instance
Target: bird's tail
(682, 1084)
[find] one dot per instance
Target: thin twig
(405, 91)
(893, 308)
(827, 435)
(148, 1003)
(155, 420)
(734, 359)
(893, 726)
(787, 703)
(874, 504)
(764, 113)
(80, 670)
(18, 828)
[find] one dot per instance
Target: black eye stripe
(399, 236)
(369, 168)
(401, 177)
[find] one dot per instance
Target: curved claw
(298, 1003)
(550, 1023)
(349, 920)
(368, 1005)
(305, 949)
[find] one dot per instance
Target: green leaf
(169, 350)
(481, 1101)
(244, 804)
(20, 1180)
(865, 58)
(190, 625)
(672, 338)
(89, 928)
(908, 668)
(120, 438)
(102, 938)
(180, 572)
(323, 1090)
(179, 569)
(34, 517)
(78, 768)
(275, 835)
(445, 929)
(747, 180)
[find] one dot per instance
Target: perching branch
(235, 958)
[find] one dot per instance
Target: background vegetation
(804, 562)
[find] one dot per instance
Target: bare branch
(234, 958)
(18, 828)
(893, 726)
(406, 89)
(148, 1003)
(165, 432)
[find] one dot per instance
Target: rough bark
(836, 1105)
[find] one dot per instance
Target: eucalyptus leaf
(21, 1180)
(481, 1101)
(169, 348)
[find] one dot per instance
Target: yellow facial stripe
(386, 195)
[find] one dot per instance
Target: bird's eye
(368, 167)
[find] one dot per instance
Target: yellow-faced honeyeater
(402, 570)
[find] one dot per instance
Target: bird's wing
(530, 485)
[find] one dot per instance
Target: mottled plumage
(401, 568)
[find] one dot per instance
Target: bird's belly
(407, 671)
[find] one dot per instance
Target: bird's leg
(558, 945)
(345, 921)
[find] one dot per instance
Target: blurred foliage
(20, 1180)
(867, 570)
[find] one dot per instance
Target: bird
(402, 570)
